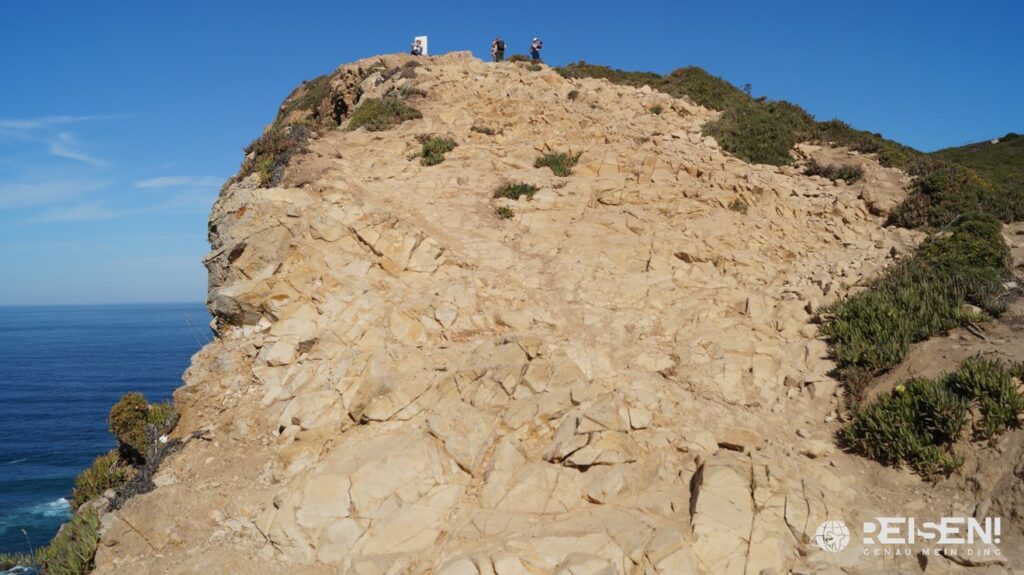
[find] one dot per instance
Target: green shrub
(573, 94)
(409, 91)
(534, 67)
(73, 549)
(382, 114)
(899, 426)
(274, 149)
(752, 129)
(917, 423)
(583, 70)
(519, 58)
(739, 206)
(761, 133)
(949, 191)
(486, 130)
(107, 472)
(434, 148)
(990, 384)
(657, 109)
(162, 416)
(890, 154)
(11, 560)
(974, 250)
(703, 88)
(129, 422)
(311, 99)
(1001, 163)
(692, 82)
(871, 331)
(561, 164)
(504, 212)
(848, 174)
(512, 190)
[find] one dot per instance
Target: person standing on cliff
(498, 49)
(535, 47)
(417, 48)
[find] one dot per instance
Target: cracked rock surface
(609, 382)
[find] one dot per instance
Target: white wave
(16, 461)
(55, 508)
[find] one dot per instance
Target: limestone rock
(608, 382)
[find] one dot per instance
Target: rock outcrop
(612, 381)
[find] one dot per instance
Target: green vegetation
(377, 114)
(657, 109)
(319, 105)
(107, 472)
(504, 212)
(989, 384)
(534, 67)
(135, 423)
(561, 164)
(129, 423)
(309, 107)
(512, 190)
(311, 99)
(691, 82)
(753, 129)
(1001, 163)
(434, 148)
(11, 560)
(848, 174)
(161, 415)
(480, 129)
(917, 423)
(408, 91)
(71, 552)
(871, 331)
(272, 151)
(945, 191)
(761, 132)
(518, 58)
(573, 94)
(739, 206)
(74, 547)
(890, 154)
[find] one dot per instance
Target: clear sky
(120, 120)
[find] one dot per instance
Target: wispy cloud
(49, 130)
(64, 145)
(42, 122)
(77, 213)
(178, 181)
(21, 195)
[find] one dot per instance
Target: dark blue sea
(61, 368)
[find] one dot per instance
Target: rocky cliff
(623, 377)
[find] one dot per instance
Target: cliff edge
(618, 376)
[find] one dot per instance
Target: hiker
(498, 49)
(417, 48)
(535, 48)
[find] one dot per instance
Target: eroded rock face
(609, 382)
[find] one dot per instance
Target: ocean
(61, 368)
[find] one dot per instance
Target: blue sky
(119, 120)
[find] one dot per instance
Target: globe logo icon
(832, 536)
